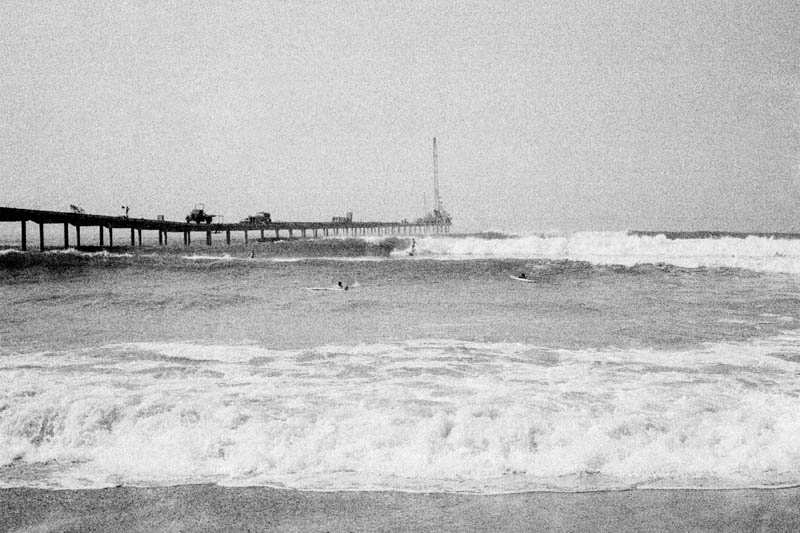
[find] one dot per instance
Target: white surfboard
(527, 280)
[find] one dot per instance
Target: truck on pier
(199, 215)
(262, 217)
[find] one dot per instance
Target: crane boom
(437, 202)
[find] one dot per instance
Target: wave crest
(758, 253)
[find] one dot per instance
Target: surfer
(522, 275)
(413, 246)
(252, 253)
(343, 287)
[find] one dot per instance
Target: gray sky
(562, 115)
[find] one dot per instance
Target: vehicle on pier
(262, 217)
(347, 219)
(438, 217)
(199, 215)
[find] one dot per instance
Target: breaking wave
(424, 415)
(752, 252)
(758, 253)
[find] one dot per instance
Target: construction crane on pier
(439, 215)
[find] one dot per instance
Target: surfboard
(327, 288)
(527, 280)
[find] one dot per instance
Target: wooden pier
(107, 224)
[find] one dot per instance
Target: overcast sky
(549, 115)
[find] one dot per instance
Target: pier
(109, 227)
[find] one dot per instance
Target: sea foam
(429, 415)
(620, 248)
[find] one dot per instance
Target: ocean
(627, 362)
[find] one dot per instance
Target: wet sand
(213, 508)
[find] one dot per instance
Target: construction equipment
(199, 215)
(262, 217)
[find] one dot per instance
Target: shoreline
(215, 508)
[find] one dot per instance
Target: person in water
(522, 275)
(343, 287)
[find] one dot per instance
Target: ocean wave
(757, 253)
(331, 249)
(431, 415)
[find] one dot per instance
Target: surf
(756, 253)
(431, 415)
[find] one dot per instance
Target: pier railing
(107, 224)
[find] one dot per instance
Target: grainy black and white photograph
(399, 266)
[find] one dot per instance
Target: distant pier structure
(109, 227)
(198, 221)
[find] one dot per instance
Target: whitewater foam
(619, 248)
(434, 415)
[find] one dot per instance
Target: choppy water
(630, 361)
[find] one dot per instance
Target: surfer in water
(522, 275)
(413, 246)
(343, 287)
(252, 253)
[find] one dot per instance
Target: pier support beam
(66, 235)
(139, 234)
(133, 238)
(208, 238)
(41, 237)
(77, 236)
(160, 237)
(262, 233)
(228, 237)
(101, 235)
(277, 233)
(24, 235)
(245, 236)
(110, 236)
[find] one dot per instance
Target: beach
(214, 508)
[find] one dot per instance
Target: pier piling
(24, 235)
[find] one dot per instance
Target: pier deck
(107, 224)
